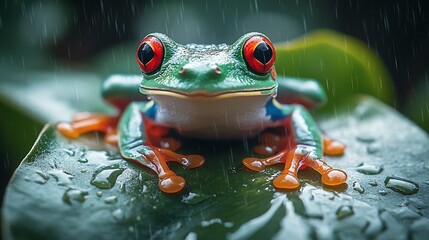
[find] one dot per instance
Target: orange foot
(156, 159)
(86, 122)
(298, 157)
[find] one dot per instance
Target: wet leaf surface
(68, 189)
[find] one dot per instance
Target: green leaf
(342, 64)
(53, 194)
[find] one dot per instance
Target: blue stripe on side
(274, 112)
(150, 110)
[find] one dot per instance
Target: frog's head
(245, 68)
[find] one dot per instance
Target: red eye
(150, 54)
(259, 54)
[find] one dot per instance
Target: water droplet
(228, 224)
(100, 158)
(122, 188)
(74, 195)
(111, 200)
(383, 192)
(63, 178)
(99, 194)
(43, 175)
(118, 214)
(106, 178)
(358, 188)
(211, 222)
(40, 181)
(373, 183)
(82, 160)
(369, 169)
(401, 185)
(191, 236)
(365, 138)
(194, 198)
(373, 148)
(344, 212)
(69, 152)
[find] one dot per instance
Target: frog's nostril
(199, 70)
(218, 71)
(215, 68)
(182, 70)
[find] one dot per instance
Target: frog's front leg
(134, 145)
(306, 92)
(119, 91)
(88, 122)
(305, 149)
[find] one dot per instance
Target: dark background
(49, 35)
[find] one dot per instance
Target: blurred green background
(47, 45)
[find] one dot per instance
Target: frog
(220, 92)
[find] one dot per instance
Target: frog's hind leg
(271, 142)
(133, 145)
(159, 138)
(306, 150)
(288, 178)
(85, 122)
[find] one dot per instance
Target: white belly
(214, 118)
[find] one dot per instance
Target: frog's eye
(150, 54)
(259, 54)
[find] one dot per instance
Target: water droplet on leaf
(383, 192)
(344, 212)
(63, 178)
(83, 160)
(365, 138)
(106, 178)
(43, 175)
(369, 169)
(122, 188)
(111, 200)
(118, 214)
(401, 185)
(373, 183)
(69, 152)
(373, 148)
(358, 188)
(194, 198)
(74, 195)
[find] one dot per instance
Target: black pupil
(145, 53)
(263, 52)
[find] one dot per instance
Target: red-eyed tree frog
(213, 92)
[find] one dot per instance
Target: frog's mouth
(270, 91)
